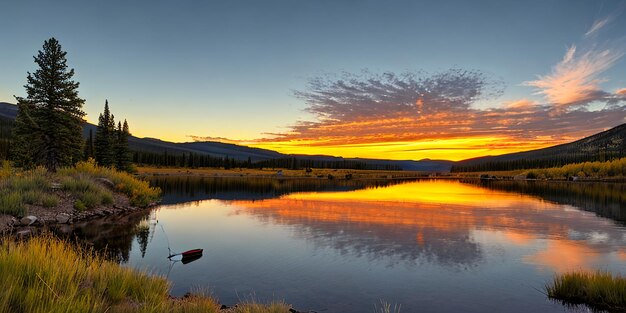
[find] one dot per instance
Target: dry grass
(139, 192)
(45, 274)
(321, 172)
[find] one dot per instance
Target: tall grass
(598, 290)
(86, 190)
(139, 192)
(45, 274)
(20, 188)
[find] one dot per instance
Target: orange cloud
(575, 80)
(520, 104)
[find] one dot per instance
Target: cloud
(575, 81)
(520, 104)
(218, 139)
(621, 92)
(399, 114)
(351, 97)
(597, 25)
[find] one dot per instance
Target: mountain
(8, 110)
(602, 146)
(219, 149)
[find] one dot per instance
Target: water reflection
(605, 199)
(436, 221)
(348, 243)
(179, 189)
(113, 235)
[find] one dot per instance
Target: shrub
(49, 201)
(11, 203)
(79, 205)
(90, 199)
(106, 198)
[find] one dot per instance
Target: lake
(344, 245)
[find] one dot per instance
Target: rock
(106, 182)
(24, 233)
(28, 220)
(62, 218)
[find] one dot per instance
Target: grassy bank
(45, 274)
(584, 170)
(598, 290)
(267, 172)
(82, 187)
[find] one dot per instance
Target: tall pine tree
(48, 128)
(122, 155)
(105, 138)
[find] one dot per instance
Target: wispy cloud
(576, 79)
(597, 25)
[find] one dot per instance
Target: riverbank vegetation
(598, 290)
(269, 172)
(45, 274)
(85, 185)
(613, 169)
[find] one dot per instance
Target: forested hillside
(604, 146)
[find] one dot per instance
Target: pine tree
(105, 138)
(122, 155)
(49, 124)
(89, 146)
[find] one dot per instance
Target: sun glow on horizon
(453, 149)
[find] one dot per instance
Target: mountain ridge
(239, 152)
(605, 145)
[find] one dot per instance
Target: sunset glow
(301, 85)
(446, 148)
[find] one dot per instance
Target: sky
(377, 79)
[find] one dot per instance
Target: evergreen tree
(48, 127)
(89, 146)
(122, 155)
(105, 138)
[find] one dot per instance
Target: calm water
(341, 246)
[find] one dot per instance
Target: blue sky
(230, 68)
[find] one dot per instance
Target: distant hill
(602, 146)
(238, 152)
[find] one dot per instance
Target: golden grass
(266, 172)
(139, 192)
(599, 290)
(45, 274)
